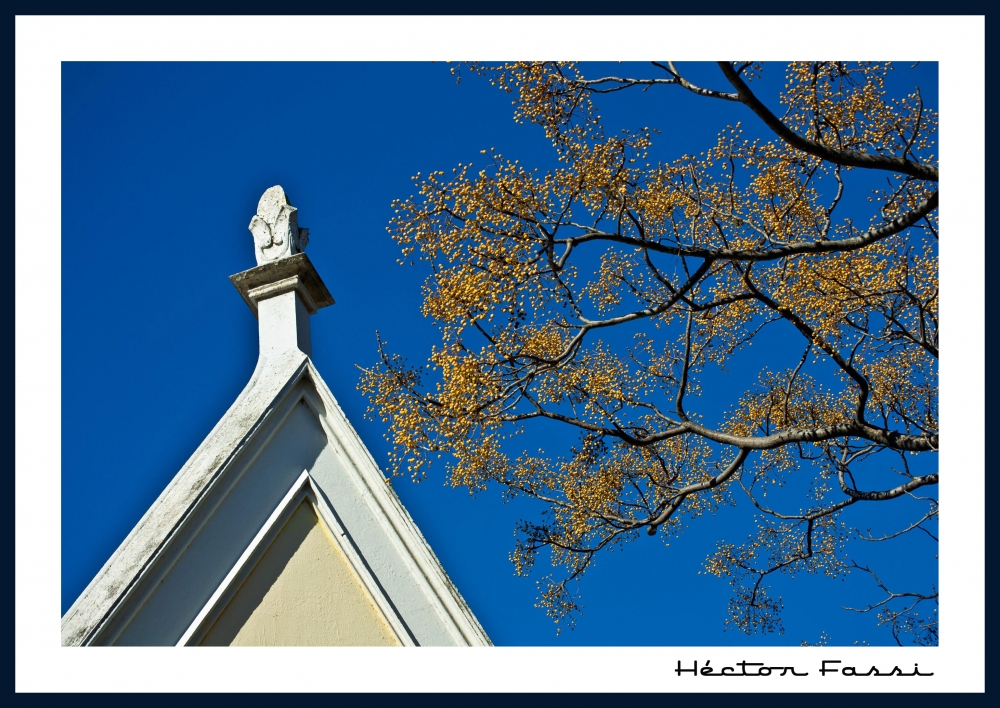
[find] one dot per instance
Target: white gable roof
(285, 439)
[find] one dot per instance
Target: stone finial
(275, 228)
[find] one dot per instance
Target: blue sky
(162, 166)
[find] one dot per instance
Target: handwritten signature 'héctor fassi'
(751, 668)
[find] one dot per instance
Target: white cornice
(380, 538)
(270, 379)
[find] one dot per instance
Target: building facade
(280, 530)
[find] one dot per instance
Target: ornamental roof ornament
(275, 228)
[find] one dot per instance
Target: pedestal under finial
(284, 289)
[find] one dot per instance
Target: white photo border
(43, 42)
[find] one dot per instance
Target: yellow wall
(302, 592)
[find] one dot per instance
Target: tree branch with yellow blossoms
(698, 257)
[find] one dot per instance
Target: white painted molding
(272, 272)
(157, 577)
(301, 490)
(252, 553)
(103, 594)
(285, 285)
(398, 524)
